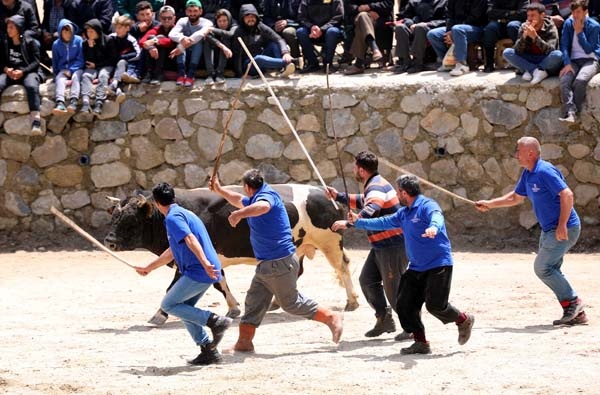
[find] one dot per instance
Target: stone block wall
(459, 133)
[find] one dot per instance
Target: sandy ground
(75, 322)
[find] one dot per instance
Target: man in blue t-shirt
(552, 202)
(277, 270)
(196, 258)
(429, 273)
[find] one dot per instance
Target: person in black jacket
(415, 20)
(20, 61)
(31, 25)
(282, 16)
(321, 22)
(81, 11)
(464, 24)
(99, 58)
(219, 39)
(267, 47)
(505, 18)
(370, 20)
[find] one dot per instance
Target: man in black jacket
(505, 18)
(415, 20)
(282, 16)
(464, 24)
(267, 47)
(370, 20)
(321, 22)
(81, 11)
(20, 61)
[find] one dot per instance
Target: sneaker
(570, 311)
(188, 82)
(209, 81)
(72, 107)
(130, 78)
(180, 81)
(98, 107)
(218, 325)
(569, 118)
(581, 319)
(207, 356)
(288, 70)
(383, 325)
(146, 79)
(464, 329)
(538, 76)
(85, 107)
(526, 76)
(402, 336)
(60, 108)
(36, 127)
(120, 96)
(417, 348)
(219, 80)
(459, 69)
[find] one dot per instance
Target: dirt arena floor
(75, 322)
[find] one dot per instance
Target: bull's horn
(141, 200)
(114, 200)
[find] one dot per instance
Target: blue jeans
(552, 62)
(495, 30)
(269, 59)
(180, 301)
(462, 35)
(330, 38)
(550, 259)
(192, 56)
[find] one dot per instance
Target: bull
(136, 223)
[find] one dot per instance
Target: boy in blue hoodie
(67, 64)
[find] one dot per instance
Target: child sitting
(128, 55)
(67, 64)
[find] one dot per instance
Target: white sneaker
(526, 76)
(538, 76)
(459, 69)
(569, 118)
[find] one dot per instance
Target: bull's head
(131, 221)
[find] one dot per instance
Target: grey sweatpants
(276, 278)
(87, 83)
(61, 85)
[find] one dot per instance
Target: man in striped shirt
(386, 262)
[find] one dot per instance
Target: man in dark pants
(505, 17)
(380, 276)
(429, 274)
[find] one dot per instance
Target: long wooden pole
(424, 181)
(88, 236)
(226, 128)
(289, 123)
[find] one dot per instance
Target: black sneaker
(570, 312)
(581, 319)
(36, 127)
(98, 107)
(207, 356)
(218, 325)
(219, 80)
(416, 348)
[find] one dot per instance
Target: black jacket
(275, 10)
(29, 48)
(323, 13)
(81, 11)
(509, 10)
(210, 7)
(467, 12)
(385, 9)
(432, 12)
(102, 53)
(222, 35)
(31, 24)
(255, 38)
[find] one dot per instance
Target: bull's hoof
(274, 306)
(351, 306)
(234, 312)
(159, 318)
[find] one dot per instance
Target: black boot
(218, 325)
(207, 356)
(384, 324)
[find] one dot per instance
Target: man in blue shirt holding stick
(552, 202)
(429, 273)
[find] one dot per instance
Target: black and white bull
(136, 223)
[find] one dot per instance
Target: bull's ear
(141, 200)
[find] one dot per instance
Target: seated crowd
(108, 43)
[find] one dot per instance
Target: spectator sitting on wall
(219, 39)
(157, 45)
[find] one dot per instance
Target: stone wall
(459, 133)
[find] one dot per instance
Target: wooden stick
(337, 146)
(226, 128)
(88, 236)
(274, 96)
(424, 181)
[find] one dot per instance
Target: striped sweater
(379, 200)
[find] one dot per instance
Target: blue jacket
(588, 39)
(67, 55)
